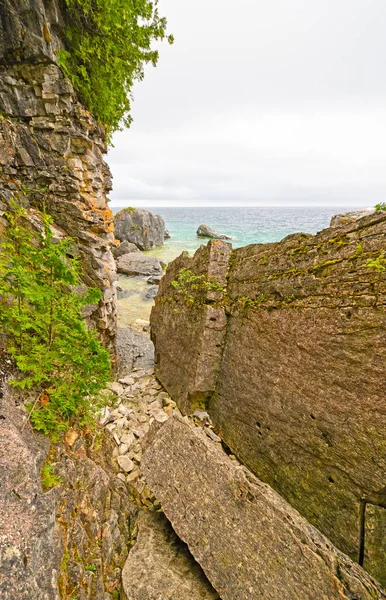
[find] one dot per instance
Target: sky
(260, 102)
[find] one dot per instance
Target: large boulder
(161, 566)
(136, 263)
(350, 217)
(140, 227)
(124, 248)
(290, 365)
(249, 541)
(207, 232)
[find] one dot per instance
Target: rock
(152, 291)
(125, 463)
(289, 366)
(47, 537)
(50, 142)
(125, 247)
(128, 438)
(140, 227)
(154, 279)
(136, 263)
(350, 217)
(207, 232)
(116, 388)
(126, 380)
(161, 567)
(249, 541)
(167, 235)
(135, 349)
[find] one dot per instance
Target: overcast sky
(260, 102)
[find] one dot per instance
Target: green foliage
(194, 288)
(48, 477)
(380, 206)
(378, 263)
(41, 313)
(92, 568)
(108, 42)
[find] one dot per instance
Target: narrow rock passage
(160, 566)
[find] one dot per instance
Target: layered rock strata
(249, 541)
(290, 362)
(51, 148)
(140, 227)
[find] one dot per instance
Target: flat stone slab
(136, 263)
(160, 566)
(250, 542)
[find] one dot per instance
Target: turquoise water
(245, 225)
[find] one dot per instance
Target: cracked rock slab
(249, 541)
(160, 566)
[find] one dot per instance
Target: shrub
(108, 42)
(380, 206)
(41, 313)
(194, 288)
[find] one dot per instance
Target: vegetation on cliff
(41, 313)
(108, 42)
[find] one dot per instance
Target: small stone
(142, 418)
(116, 438)
(128, 380)
(110, 427)
(138, 432)
(213, 436)
(168, 409)
(117, 388)
(161, 417)
(201, 415)
(71, 436)
(128, 438)
(123, 448)
(125, 463)
(152, 392)
(122, 477)
(132, 476)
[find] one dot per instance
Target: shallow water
(134, 308)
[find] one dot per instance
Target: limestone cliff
(290, 361)
(51, 148)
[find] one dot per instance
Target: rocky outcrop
(207, 232)
(350, 217)
(72, 539)
(136, 263)
(249, 541)
(161, 566)
(140, 227)
(51, 148)
(124, 248)
(289, 361)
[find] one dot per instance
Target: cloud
(258, 102)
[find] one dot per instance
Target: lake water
(245, 226)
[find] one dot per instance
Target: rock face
(140, 227)
(249, 541)
(71, 539)
(289, 362)
(160, 565)
(350, 217)
(52, 146)
(207, 232)
(136, 263)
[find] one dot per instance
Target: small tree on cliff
(108, 42)
(41, 314)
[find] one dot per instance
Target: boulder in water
(140, 227)
(208, 232)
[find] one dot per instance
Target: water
(246, 225)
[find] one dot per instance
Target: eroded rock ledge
(249, 541)
(290, 360)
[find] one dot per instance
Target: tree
(108, 42)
